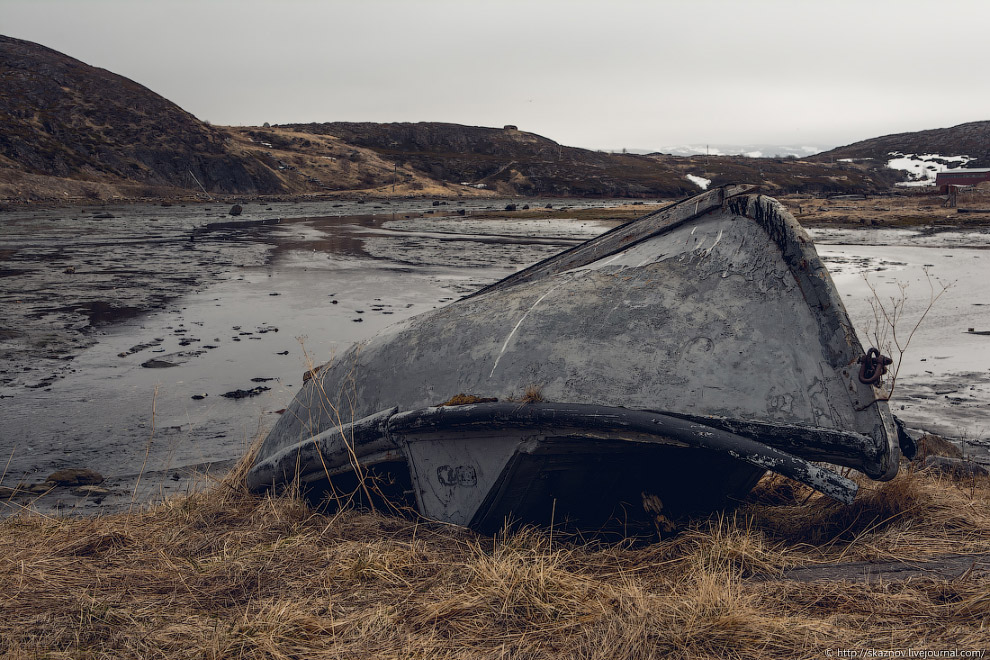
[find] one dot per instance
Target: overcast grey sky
(623, 73)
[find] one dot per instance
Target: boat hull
(715, 311)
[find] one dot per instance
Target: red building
(962, 177)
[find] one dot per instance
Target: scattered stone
(358, 320)
(74, 477)
(104, 216)
(235, 209)
(333, 302)
(283, 353)
(510, 207)
(276, 293)
(140, 347)
(198, 397)
(71, 270)
(242, 394)
(155, 363)
(261, 380)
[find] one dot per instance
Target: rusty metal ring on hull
(872, 367)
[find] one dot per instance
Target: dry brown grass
(896, 211)
(230, 574)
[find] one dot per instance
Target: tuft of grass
(532, 394)
(935, 445)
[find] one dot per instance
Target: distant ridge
(969, 139)
(751, 150)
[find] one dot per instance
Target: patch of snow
(754, 154)
(915, 184)
(699, 181)
(922, 168)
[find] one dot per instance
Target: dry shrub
(915, 514)
(935, 445)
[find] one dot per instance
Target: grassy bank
(229, 574)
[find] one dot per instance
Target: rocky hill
(63, 118)
(508, 160)
(779, 176)
(970, 139)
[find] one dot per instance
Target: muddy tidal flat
(161, 341)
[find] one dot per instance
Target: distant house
(962, 176)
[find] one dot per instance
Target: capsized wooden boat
(678, 357)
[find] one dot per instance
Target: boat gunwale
(390, 429)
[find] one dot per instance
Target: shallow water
(275, 300)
